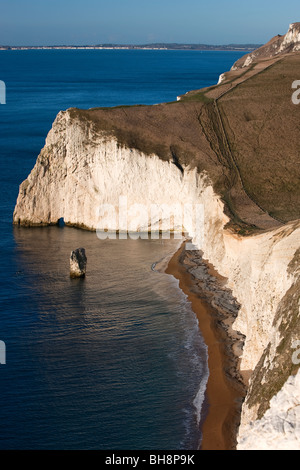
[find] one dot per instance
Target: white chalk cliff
(291, 39)
(279, 429)
(278, 45)
(80, 169)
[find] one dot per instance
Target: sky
(80, 22)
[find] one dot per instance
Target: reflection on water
(111, 361)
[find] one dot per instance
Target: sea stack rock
(78, 262)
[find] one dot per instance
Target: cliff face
(80, 169)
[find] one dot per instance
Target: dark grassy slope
(263, 128)
(245, 133)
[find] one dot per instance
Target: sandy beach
(225, 391)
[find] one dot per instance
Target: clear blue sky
(50, 22)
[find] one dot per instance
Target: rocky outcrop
(291, 41)
(277, 46)
(78, 262)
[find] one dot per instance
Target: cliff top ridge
(278, 45)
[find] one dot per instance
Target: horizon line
(129, 45)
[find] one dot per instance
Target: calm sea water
(115, 361)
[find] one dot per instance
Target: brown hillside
(245, 133)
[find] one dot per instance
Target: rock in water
(78, 262)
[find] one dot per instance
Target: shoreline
(244, 48)
(226, 387)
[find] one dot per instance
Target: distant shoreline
(159, 47)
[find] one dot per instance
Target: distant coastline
(156, 46)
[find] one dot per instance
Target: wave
(192, 360)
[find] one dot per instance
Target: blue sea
(115, 361)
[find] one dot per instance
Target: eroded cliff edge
(233, 148)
